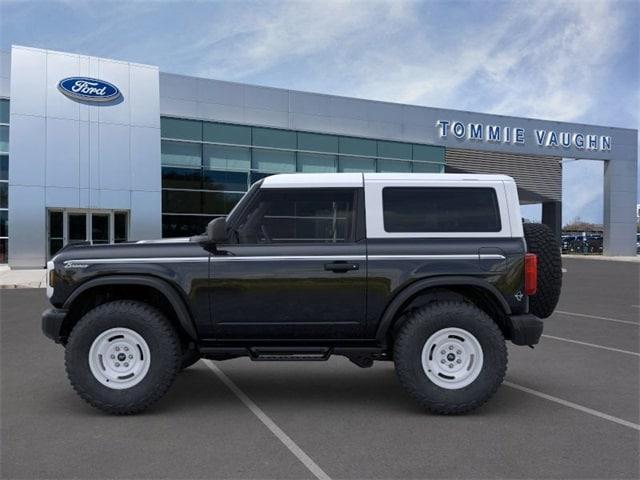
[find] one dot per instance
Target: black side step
(289, 354)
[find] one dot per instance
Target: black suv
(431, 271)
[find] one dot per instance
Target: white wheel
(452, 358)
(119, 358)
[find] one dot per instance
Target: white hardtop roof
(285, 180)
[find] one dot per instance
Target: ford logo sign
(89, 89)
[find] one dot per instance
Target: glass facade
(207, 166)
(4, 180)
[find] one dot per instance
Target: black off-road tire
(541, 241)
(158, 333)
(411, 339)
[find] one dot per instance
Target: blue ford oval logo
(89, 89)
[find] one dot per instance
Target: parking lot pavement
(601, 288)
(351, 423)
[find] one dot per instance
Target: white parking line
(575, 406)
(609, 319)
(592, 345)
(270, 424)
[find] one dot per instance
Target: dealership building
(102, 150)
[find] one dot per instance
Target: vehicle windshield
(238, 206)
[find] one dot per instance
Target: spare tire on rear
(542, 242)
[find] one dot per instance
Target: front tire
(122, 356)
(451, 357)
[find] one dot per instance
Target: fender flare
(182, 311)
(416, 287)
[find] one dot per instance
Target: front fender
(169, 292)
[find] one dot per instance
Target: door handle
(341, 267)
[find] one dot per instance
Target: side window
(299, 216)
(440, 209)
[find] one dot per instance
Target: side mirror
(217, 230)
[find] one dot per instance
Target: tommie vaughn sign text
(516, 135)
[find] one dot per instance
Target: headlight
(51, 278)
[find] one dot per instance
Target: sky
(557, 60)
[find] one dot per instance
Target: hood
(144, 248)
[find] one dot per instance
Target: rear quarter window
(440, 209)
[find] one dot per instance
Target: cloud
(570, 60)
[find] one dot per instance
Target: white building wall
(71, 154)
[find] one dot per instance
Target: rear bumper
(525, 329)
(52, 320)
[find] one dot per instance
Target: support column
(620, 198)
(552, 217)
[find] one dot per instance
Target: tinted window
(216, 180)
(299, 216)
(179, 153)
(357, 164)
(177, 128)
(4, 221)
(231, 158)
(173, 177)
(271, 137)
(179, 201)
(4, 167)
(274, 160)
(4, 138)
(316, 163)
(4, 251)
(184, 225)
(4, 111)
(4, 194)
(224, 133)
(440, 209)
(394, 150)
(120, 227)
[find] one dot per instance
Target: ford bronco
(434, 272)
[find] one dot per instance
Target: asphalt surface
(350, 422)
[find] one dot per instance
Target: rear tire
(122, 356)
(541, 241)
(439, 382)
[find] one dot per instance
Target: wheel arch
(113, 287)
(477, 291)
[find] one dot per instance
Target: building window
(228, 158)
(394, 150)
(78, 226)
(181, 129)
(207, 165)
(4, 180)
(394, 166)
(274, 138)
(180, 153)
(279, 161)
(225, 133)
(317, 163)
(120, 227)
(4, 138)
(357, 164)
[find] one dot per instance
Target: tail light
(530, 273)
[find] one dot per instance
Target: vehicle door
(294, 267)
